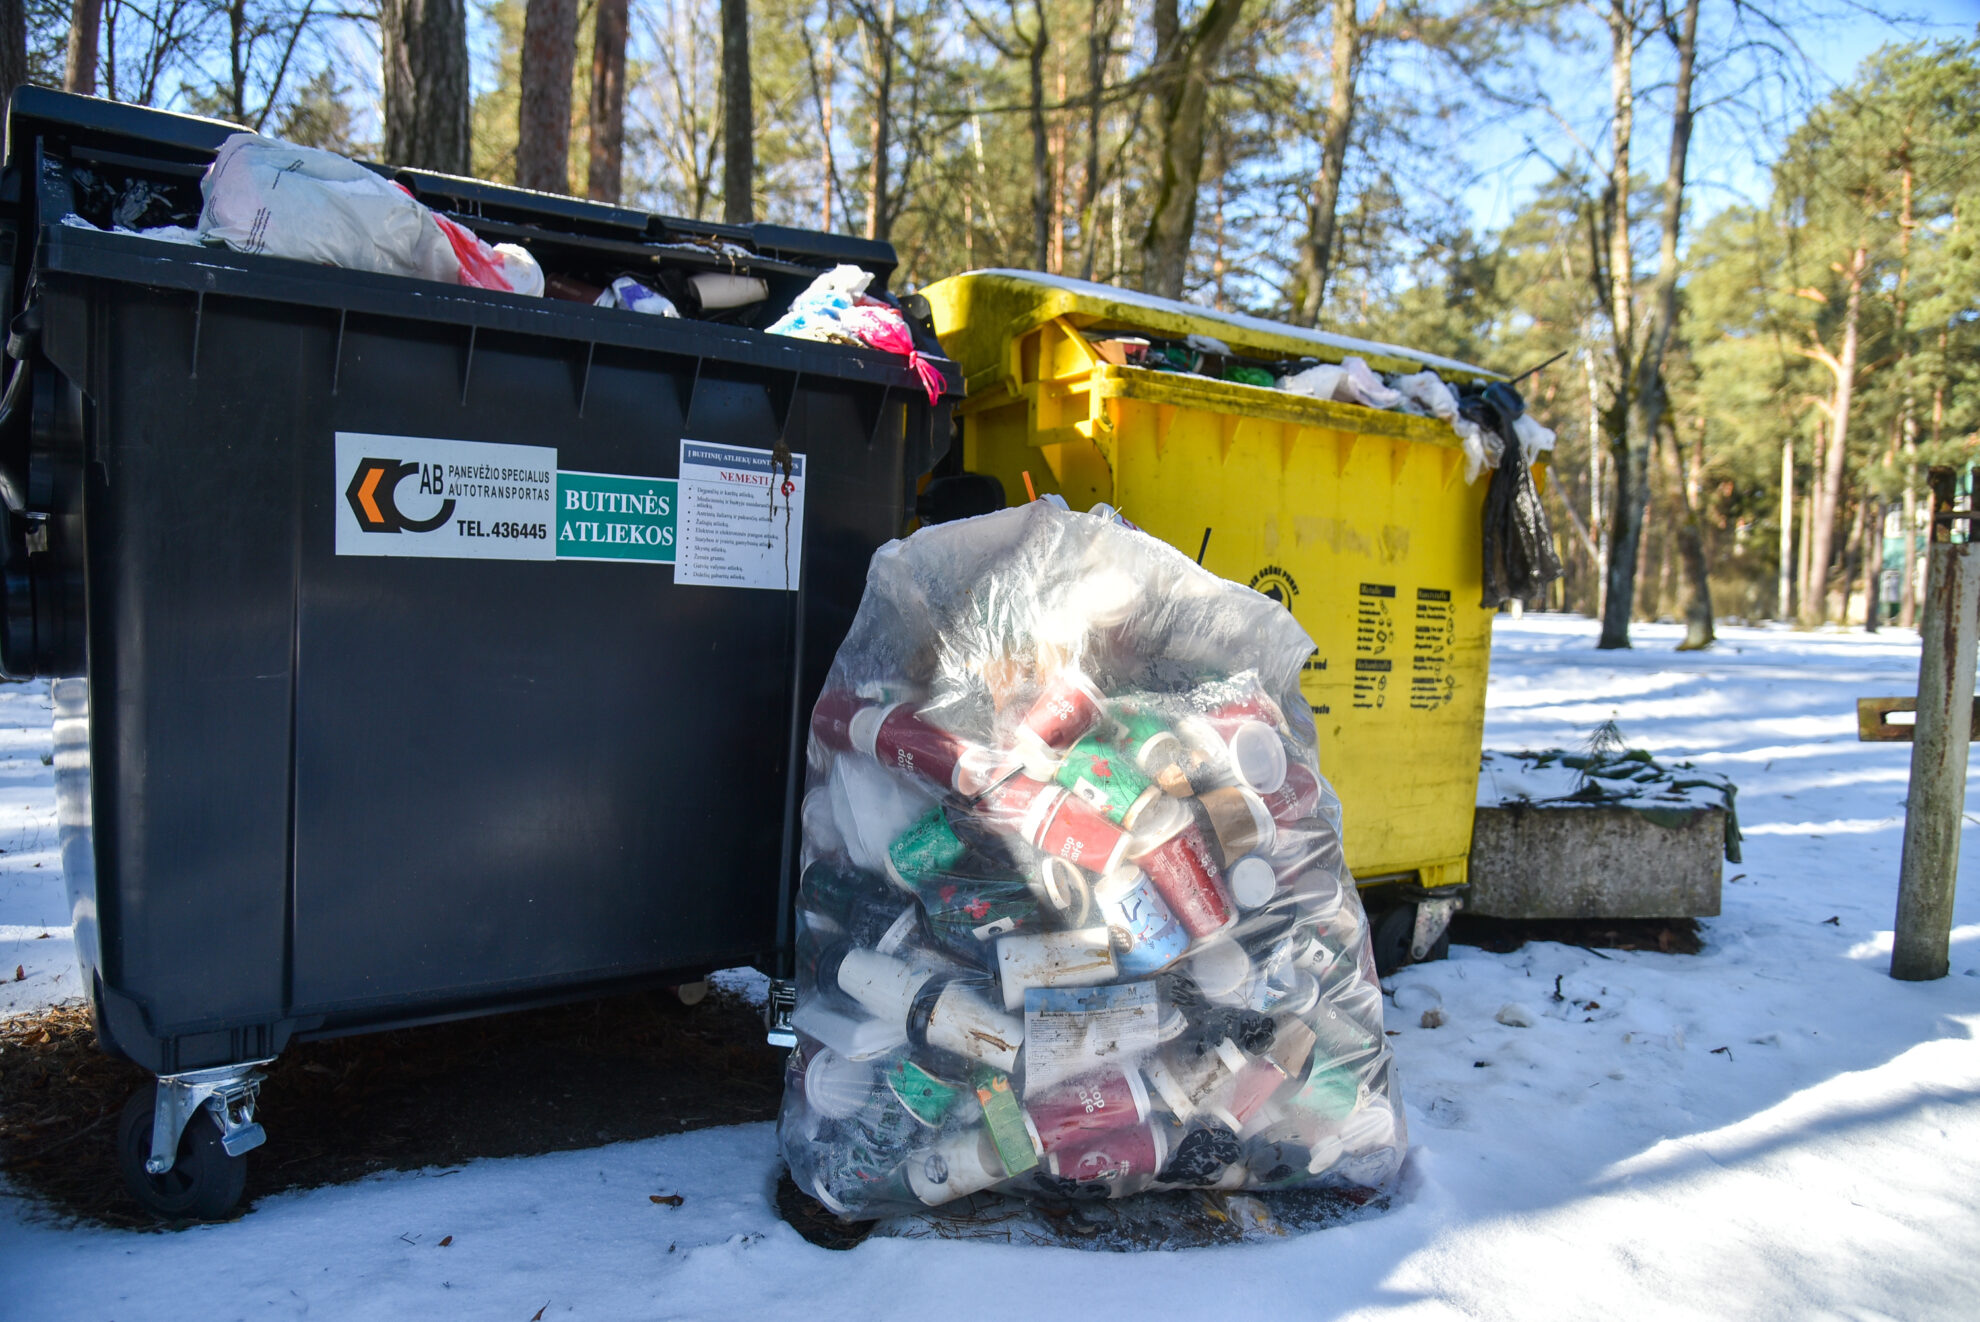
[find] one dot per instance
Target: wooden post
(1936, 804)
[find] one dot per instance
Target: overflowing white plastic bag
(270, 197)
(1074, 920)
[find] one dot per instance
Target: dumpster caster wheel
(692, 993)
(203, 1185)
(1389, 937)
(1392, 934)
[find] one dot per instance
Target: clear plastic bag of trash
(1074, 920)
(271, 197)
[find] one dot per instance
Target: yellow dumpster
(1357, 519)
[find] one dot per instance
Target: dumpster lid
(1032, 298)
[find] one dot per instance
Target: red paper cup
(1065, 825)
(831, 719)
(1007, 805)
(897, 736)
(1120, 1157)
(1110, 1099)
(1297, 796)
(1185, 873)
(1069, 707)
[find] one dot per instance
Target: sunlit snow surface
(1610, 1161)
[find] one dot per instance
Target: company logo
(373, 494)
(1276, 583)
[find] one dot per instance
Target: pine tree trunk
(13, 47)
(1686, 484)
(1323, 200)
(879, 220)
(1041, 150)
(543, 116)
(1829, 491)
(738, 117)
(1181, 99)
(1639, 410)
(605, 176)
(1873, 560)
(1784, 583)
(85, 20)
(426, 101)
(1099, 40)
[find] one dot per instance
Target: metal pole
(1935, 805)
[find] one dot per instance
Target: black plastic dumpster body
(319, 776)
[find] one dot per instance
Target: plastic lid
(864, 728)
(1258, 757)
(1219, 967)
(1252, 882)
(1172, 1025)
(835, 1087)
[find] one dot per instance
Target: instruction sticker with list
(741, 520)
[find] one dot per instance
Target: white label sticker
(741, 518)
(414, 495)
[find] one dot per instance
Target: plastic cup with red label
(832, 718)
(1066, 827)
(1070, 705)
(1188, 880)
(1147, 938)
(1125, 1159)
(898, 737)
(1297, 796)
(1106, 1099)
(1244, 1098)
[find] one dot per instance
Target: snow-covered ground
(1772, 1128)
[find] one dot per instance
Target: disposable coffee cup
(884, 986)
(957, 1167)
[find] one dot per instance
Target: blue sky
(1732, 145)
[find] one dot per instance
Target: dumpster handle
(467, 368)
(584, 382)
(880, 415)
(337, 363)
(199, 318)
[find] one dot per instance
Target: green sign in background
(609, 516)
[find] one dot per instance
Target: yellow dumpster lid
(977, 314)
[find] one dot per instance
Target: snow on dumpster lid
(1031, 298)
